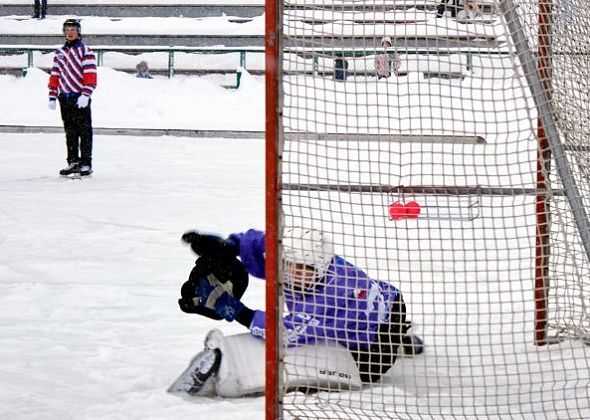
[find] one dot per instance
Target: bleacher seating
(126, 8)
(400, 13)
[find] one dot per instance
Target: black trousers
(380, 357)
(78, 128)
(453, 5)
(40, 8)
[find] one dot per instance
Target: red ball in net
(397, 211)
(412, 209)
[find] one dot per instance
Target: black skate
(85, 170)
(71, 169)
(201, 368)
(411, 344)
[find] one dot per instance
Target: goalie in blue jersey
(328, 300)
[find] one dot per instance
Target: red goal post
(273, 45)
(530, 207)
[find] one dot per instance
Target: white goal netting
(433, 102)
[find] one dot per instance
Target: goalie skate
(411, 344)
(194, 379)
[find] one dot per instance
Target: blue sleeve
(258, 325)
(251, 251)
(299, 328)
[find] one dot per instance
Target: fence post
(99, 58)
(243, 59)
(242, 66)
(315, 65)
(30, 58)
(170, 64)
(469, 61)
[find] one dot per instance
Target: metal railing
(227, 62)
(161, 60)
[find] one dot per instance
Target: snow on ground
(90, 272)
(122, 100)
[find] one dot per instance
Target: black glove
(215, 295)
(227, 271)
(188, 306)
(205, 244)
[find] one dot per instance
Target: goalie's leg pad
(242, 370)
(324, 366)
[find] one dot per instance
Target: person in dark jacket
(444, 5)
(40, 9)
(72, 82)
(143, 71)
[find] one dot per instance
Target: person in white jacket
(471, 9)
(383, 62)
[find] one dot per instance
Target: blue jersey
(346, 306)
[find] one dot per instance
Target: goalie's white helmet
(307, 247)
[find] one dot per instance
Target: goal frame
(273, 45)
(549, 147)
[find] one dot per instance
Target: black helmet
(72, 23)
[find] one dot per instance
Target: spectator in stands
(40, 9)
(383, 61)
(453, 5)
(471, 9)
(143, 71)
(340, 69)
(72, 81)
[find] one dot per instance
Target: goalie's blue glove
(205, 244)
(228, 272)
(219, 300)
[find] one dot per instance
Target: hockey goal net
(482, 117)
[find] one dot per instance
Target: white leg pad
(242, 367)
(323, 366)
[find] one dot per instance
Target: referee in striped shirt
(72, 81)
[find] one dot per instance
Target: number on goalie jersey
(328, 299)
